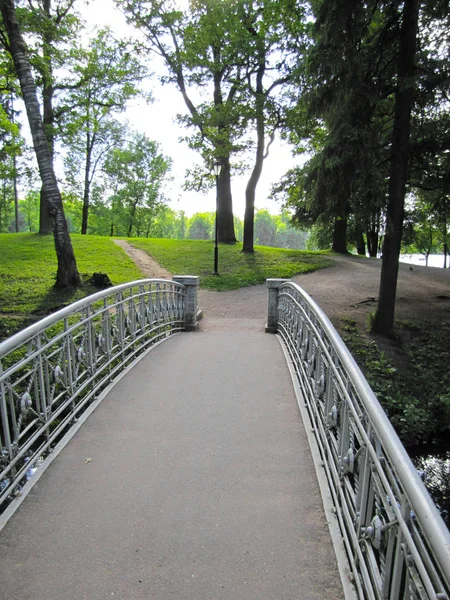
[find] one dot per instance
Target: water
(434, 470)
(434, 260)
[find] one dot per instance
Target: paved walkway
(192, 480)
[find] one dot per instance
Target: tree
(398, 174)
(341, 114)
(134, 175)
(201, 226)
(265, 228)
(425, 236)
(67, 273)
(107, 75)
(11, 146)
(195, 49)
(272, 42)
(52, 31)
(236, 54)
(367, 89)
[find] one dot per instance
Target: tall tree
(67, 273)
(107, 76)
(272, 43)
(195, 47)
(398, 174)
(11, 147)
(52, 28)
(135, 173)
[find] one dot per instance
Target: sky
(158, 121)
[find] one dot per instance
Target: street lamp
(217, 168)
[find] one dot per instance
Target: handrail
(17, 339)
(53, 370)
(396, 541)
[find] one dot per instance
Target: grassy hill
(28, 269)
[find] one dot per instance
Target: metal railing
(51, 371)
(396, 541)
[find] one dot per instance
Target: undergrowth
(409, 376)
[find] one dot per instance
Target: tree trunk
(67, 273)
(398, 172)
(225, 219)
(45, 219)
(360, 243)
(87, 187)
(250, 190)
(340, 235)
(372, 243)
(132, 215)
(224, 200)
(16, 197)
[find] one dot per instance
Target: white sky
(158, 122)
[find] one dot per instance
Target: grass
(28, 271)
(408, 375)
(236, 269)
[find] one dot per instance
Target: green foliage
(236, 269)
(107, 75)
(415, 395)
(135, 172)
(277, 231)
(201, 226)
(344, 114)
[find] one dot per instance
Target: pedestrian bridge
(223, 464)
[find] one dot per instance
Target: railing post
(190, 302)
(272, 312)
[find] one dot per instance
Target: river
(434, 260)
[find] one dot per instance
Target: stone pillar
(272, 313)
(191, 283)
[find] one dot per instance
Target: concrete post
(190, 302)
(272, 313)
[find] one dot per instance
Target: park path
(347, 289)
(148, 266)
(192, 480)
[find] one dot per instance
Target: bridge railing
(53, 370)
(396, 541)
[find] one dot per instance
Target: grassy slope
(28, 270)
(236, 269)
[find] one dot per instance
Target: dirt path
(148, 266)
(347, 289)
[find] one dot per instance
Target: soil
(347, 290)
(146, 264)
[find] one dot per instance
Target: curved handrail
(51, 371)
(393, 532)
(20, 337)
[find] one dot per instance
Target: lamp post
(217, 169)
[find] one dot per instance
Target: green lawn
(236, 269)
(28, 269)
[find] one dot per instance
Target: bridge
(142, 458)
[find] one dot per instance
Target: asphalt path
(193, 479)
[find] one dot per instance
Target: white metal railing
(51, 371)
(396, 542)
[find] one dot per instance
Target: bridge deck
(193, 479)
